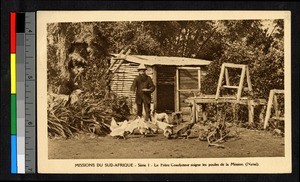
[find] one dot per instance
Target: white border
(266, 164)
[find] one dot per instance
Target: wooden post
(239, 93)
(194, 112)
(248, 80)
(220, 81)
(199, 79)
(262, 113)
(276, 106)
(154, 78)
(177, 91)
(268, 113)
(204, 114)
(227, 77)
(250, 112)
(235, 112)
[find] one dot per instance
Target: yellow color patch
(13, 73)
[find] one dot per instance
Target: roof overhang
(162, 60)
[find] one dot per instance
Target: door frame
(177, 88)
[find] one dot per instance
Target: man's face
(142, 72)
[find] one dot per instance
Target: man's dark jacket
(139, 83)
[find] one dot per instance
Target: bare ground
(250, 143)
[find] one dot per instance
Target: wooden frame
(178, 90)
(273, 101)
(240, 87)
(235, 100)
(154, 78)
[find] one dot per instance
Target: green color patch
(13, 114)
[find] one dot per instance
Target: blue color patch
(14, 166)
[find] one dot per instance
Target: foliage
(78, 57)
(246, 42)
(88, 114)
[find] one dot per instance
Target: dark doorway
(165, 88)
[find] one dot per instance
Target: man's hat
(142, 67)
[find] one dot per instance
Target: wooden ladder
(240, 87)
(118, 61)
(273, 102)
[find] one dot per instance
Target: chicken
(132, 125)
(139, 124)
(144, 131)
(119, 131)
(152, 127)
(113, 124)
(168, 132)
(167, 128)
(184, 131)
(143, 127)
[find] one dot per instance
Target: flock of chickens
(158, 122)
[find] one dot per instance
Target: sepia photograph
(164, 92)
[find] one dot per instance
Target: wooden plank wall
(123, 78)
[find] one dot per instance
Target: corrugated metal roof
(163, 60)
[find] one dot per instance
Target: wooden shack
(175, 78)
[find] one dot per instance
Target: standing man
(143, 86)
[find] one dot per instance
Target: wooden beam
(118, 66)
(231, 65)
(278, 118)
(188, 67)
(276, 106)
(220, 81)
(154, 78)
(268, 113)
(278, 91)
(232, 87)
(250, 113)
(234, 111)
(194, 110)
(248, 79)
(177, 90)
(273, 101)
(227, 77)
(239, 93)
(262, 113)
(199, 79)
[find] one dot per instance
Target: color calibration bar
(30, 94)
(22, 59)
(13, 99)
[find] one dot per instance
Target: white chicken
(113, 124)
(139, 124)
(142, 126)
(132, 125)
(152, 127)
(167, 128)
(118, 131)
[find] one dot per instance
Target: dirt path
(250, 144)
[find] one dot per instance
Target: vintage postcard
(164, 92)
